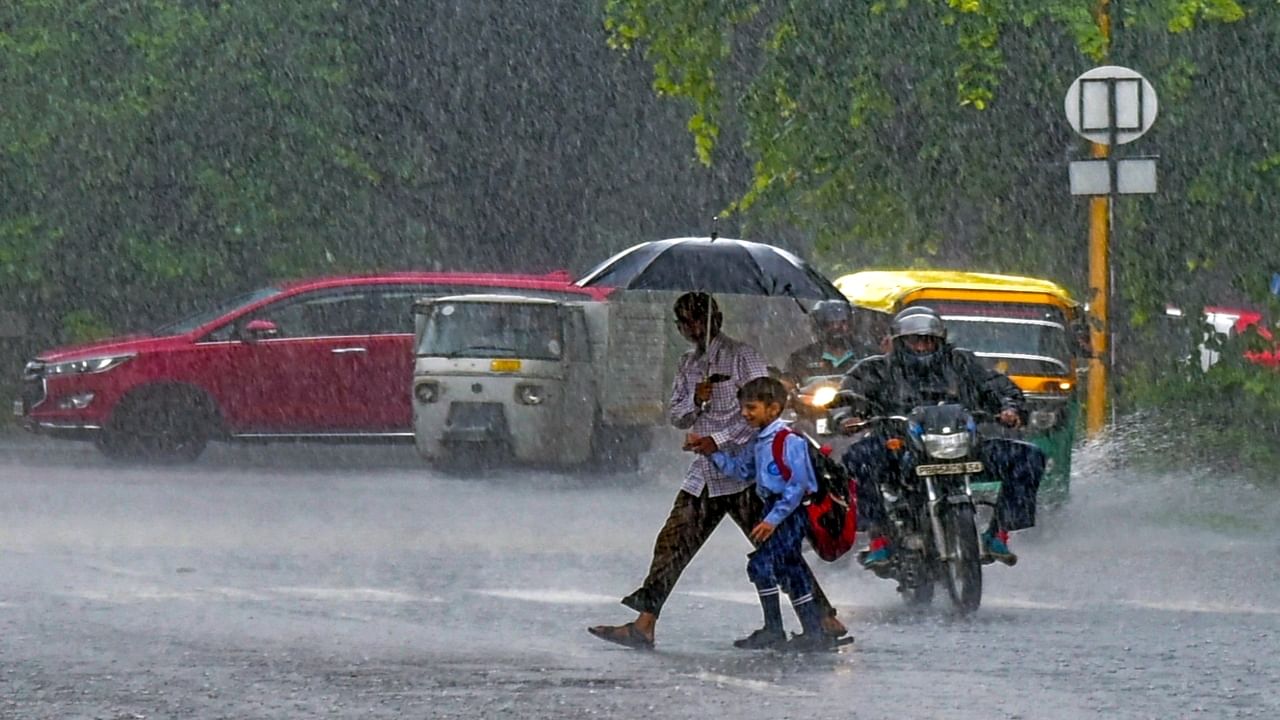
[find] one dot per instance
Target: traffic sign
(1134, 176)
(1111, 103)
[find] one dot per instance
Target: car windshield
(492, 330)
(191, 322)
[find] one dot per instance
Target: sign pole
(1100, 293)
(1109, 106)
(1100, 267)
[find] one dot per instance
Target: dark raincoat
(894, 388)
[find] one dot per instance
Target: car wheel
(167, 425)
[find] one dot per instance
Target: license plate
(17, 408)
(963, 468)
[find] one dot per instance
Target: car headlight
(528, 394)
(99, 364)
(947, 447)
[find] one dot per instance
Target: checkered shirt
(722, 417)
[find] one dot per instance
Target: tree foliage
(932, 131)
(153, 146)
(156, 154)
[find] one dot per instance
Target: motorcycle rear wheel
(962, 572)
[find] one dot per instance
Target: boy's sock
(772, 609)
(807, 610)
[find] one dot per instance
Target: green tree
(155, 149)
(932, 132)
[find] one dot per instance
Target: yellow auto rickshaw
(1027, 328)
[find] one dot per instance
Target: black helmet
(826, 313)
(917, 320)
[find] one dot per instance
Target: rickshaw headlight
(426, 392)
(1043, 419)
(529, 394)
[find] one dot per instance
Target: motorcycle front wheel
(962, 570)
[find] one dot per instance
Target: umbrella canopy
(725, 266)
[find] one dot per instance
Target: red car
(323, 359)
(1232, 321)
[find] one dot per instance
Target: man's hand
(701, 444)
(702, 393)
(1009, 418)
(761, 532)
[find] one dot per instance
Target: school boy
(777, 559)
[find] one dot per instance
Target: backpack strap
(780, 439)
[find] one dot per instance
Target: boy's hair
(763, 389)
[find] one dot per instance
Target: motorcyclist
(923, 368)
(836, 348)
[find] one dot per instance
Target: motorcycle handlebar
(978, 415)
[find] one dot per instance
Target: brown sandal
(626, 635)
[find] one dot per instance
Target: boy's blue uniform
(778, 560)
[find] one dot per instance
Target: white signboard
(1135, 176)
(1111, 97)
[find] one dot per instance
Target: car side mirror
(259, 329)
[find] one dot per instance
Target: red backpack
(832, 512)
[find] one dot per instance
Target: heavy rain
(382, 359)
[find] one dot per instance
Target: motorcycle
(808, 412)
(930, 505)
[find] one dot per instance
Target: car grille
(32, 385)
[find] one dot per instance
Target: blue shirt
(756, 462)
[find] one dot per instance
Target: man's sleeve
(681, 410)
(865, 379)
(998, 390)
(748, 364)
(793, 370)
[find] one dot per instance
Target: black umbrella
(736, 267)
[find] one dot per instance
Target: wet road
(330, 582)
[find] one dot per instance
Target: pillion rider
(837, 347)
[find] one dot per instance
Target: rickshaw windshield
(492, 330)
(1025, 338)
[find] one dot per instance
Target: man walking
(704, 400)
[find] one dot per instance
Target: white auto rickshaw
(532, 380)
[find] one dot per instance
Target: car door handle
(340, 351)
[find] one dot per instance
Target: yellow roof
(883, 289)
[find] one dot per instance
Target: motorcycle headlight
(83, 366)
(947, 447)
(823, 396)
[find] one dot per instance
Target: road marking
(755, 685)
(157, 594)
(566, 597)
(734, 596)
(1023, 604)
(1200, 607)
(365, 594)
